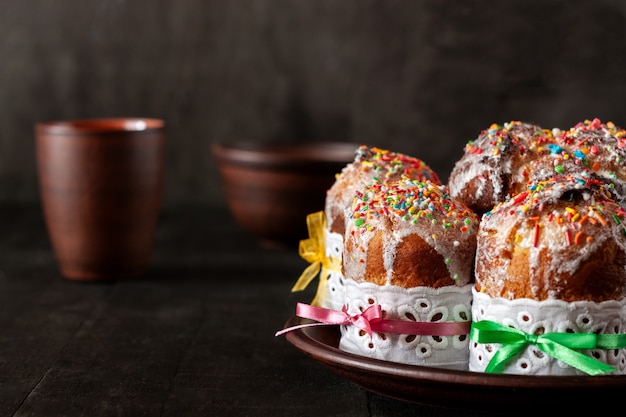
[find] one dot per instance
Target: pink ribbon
(371, 320)
(327, 316)
(422, 328)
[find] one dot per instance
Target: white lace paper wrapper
(421, 303)
(334, 296)
(534, 317)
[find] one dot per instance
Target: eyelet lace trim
(417, 304)
(538, 317)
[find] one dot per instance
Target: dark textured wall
(420, 77)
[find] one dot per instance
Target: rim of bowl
(100, 125)
(285, 154)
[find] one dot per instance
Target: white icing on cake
(408, 207)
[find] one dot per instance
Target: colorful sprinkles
(523, 137)
(579, 218)
(516, 153)
(412, 201)
(390, 165)
(596, 145)
(584, 145)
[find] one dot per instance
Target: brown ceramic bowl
(270, 188)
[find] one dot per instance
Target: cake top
(570, 214)
(396, 212)
(505, 159)
(599, 148)
(585, 133)
(563, 238)
(370, 165)
(514, 137)
(501, 160)
(568, 200)
(381, 165)
(412, 202)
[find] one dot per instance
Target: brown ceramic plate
(508, 394)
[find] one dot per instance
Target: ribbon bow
(371, 320)
(558, 345)
(313, 250)
(325, 316)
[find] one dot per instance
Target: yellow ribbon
(313, 250)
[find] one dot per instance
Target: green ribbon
(558, 345)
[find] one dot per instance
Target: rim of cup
(126, 124)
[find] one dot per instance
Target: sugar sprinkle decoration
(412, 201)
(390, 165)
(594, 210)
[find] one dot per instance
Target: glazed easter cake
(409, 248)
(551, 259)
(370, 165)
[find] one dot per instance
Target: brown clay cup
(101, 183)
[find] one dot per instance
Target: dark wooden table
(194, 337)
